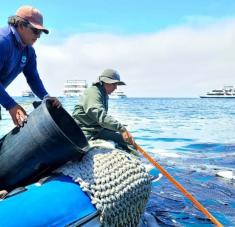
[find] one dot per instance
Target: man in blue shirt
(17, 55)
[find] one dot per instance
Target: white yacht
(74, 87)
(117, 94)
(27, 93)
(225, 92)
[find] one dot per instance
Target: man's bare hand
(127, 137)
(18, 115)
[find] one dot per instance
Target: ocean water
(193, 139)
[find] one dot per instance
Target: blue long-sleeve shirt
(15, 58)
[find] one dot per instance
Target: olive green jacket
(92, 112)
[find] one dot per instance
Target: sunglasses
(34, 30)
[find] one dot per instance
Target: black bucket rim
(44, 106)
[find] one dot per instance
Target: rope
(198, 205)
(117, 184)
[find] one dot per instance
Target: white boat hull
(218, 96)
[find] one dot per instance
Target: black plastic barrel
(50, 138)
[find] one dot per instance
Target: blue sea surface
(192, 138)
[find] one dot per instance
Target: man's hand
(18, 115)
(127, 136)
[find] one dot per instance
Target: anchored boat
(74, 88)
(117, 94)
(225, 92)
(27, 93)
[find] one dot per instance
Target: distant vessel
(118, 95)
(225, 92)
(74, 87)
(27, 93)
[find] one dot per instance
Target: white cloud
(181, 61)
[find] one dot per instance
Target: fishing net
(116, 182)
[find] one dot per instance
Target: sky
(161, 48)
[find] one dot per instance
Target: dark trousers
(116, 137)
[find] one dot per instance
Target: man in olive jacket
(92, 112)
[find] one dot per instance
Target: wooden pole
(179, 186)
